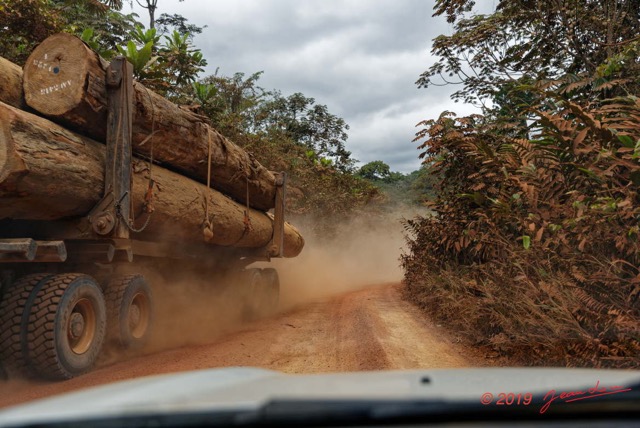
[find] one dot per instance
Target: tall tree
(151, 6)
(375, 170)
(231, 101)
(310, 124)
(167, 23)
(533, 39)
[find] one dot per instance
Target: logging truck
(102, 180)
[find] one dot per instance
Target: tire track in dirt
(370, 329)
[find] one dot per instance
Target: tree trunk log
(65, 81)
(11, 84)
(50, 173)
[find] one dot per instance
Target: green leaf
(626, 141)
(636, 150)
(526, 241)
(87, 35)
(555, 227)
(144, 54)
(132, 51)
(590, 173)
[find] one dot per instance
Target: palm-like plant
(182, 61)
(142, 58)
(142, 36)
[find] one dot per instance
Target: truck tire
(261, 296)
(272, 284)
(66, 326)
(251, 283)
(129, 311)
(15, 308)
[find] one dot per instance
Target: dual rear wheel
(261, 293)
(130, 307)
(54, 326)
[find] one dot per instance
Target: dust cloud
(363, 252)
(193, 311)
(360, 253)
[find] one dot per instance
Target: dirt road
(369, 329)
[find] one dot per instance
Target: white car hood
(250, 388)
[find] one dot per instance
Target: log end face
(55, 74)
(293, 241)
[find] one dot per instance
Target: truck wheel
(272, 284)
(261, 293)
(129, 311)
(252, 285)
(66, 326)
(14, 317)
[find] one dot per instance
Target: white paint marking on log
(43, 64)
(55, 88)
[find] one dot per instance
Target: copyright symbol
(487, 398)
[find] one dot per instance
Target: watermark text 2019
(551, 397)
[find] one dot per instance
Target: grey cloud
(359, 57)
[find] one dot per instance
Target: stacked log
(11, 84)
(48, 172)
(64, 80)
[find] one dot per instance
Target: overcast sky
(359, 57)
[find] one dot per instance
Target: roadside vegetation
(533, 249)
